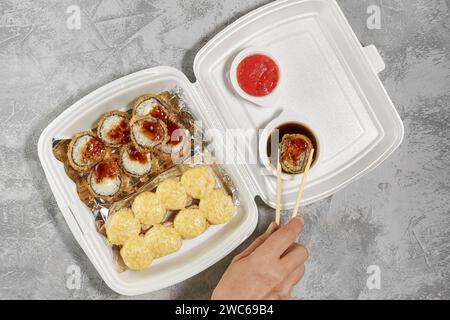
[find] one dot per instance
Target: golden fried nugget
(172, 194)
(198, 181)
(136, 254)
(190, 223)
(121, 226)
(218, 206)
(163, 240)
(148, 208)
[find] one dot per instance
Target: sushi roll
(172, 194)
(198, 181)
(190, 223)
(85, 151)
(178, 135)
(148, 132)
(114, 128)
(148, 208)
(163, 240)
(134, 162)
(294, 152)
(122, 225)
(144, 105)
(217, 206)
(179, 140)
(105, 179)
(136, 254)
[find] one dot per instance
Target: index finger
(258, 241)
(280, 240)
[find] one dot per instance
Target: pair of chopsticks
(300, 191)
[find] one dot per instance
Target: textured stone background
(397, 217)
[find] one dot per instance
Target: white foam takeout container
(330, 83)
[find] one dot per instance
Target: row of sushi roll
(143, 234)
(124, 145)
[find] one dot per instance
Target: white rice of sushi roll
(78, 150)
(141, 139)
(110, 122)
(84, 151)
(107, 186)
(146, 107)
(135, 167)
(176, 148)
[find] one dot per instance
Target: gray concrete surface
(397, 217)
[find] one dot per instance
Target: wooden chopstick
(302, 184)
(278, 197)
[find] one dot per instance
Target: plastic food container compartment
(330, 84)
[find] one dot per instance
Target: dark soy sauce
(291, 128)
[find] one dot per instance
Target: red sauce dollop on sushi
(159, 113)
(152, 130)
(293, 149)
(120, 133)
(257, 75)
(108, 169)
(135, 155)
(93, 150)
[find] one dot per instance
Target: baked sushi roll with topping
(136, 254)
(218, 206)
(134, 162)
(178, 141)
(178, 135)
(198, 181)
(148, 208)
(114, 128)
(163, 240)
(172, 194)
(294, 152)
(148, 132)
(105, 179)
(85, 151)
(144, 105)
(190, 223)
(122, 225)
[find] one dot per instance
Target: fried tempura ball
(121, 226)
(136, 254)
(190, 223)
(198, 181)
(172, 194)
(218, 206)
(148, 208)
(163, 240)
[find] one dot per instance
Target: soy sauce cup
(284, 119)
(267, 100)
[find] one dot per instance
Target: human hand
(268, 268)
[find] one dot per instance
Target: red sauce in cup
(257, 75)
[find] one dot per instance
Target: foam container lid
(329, 83)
